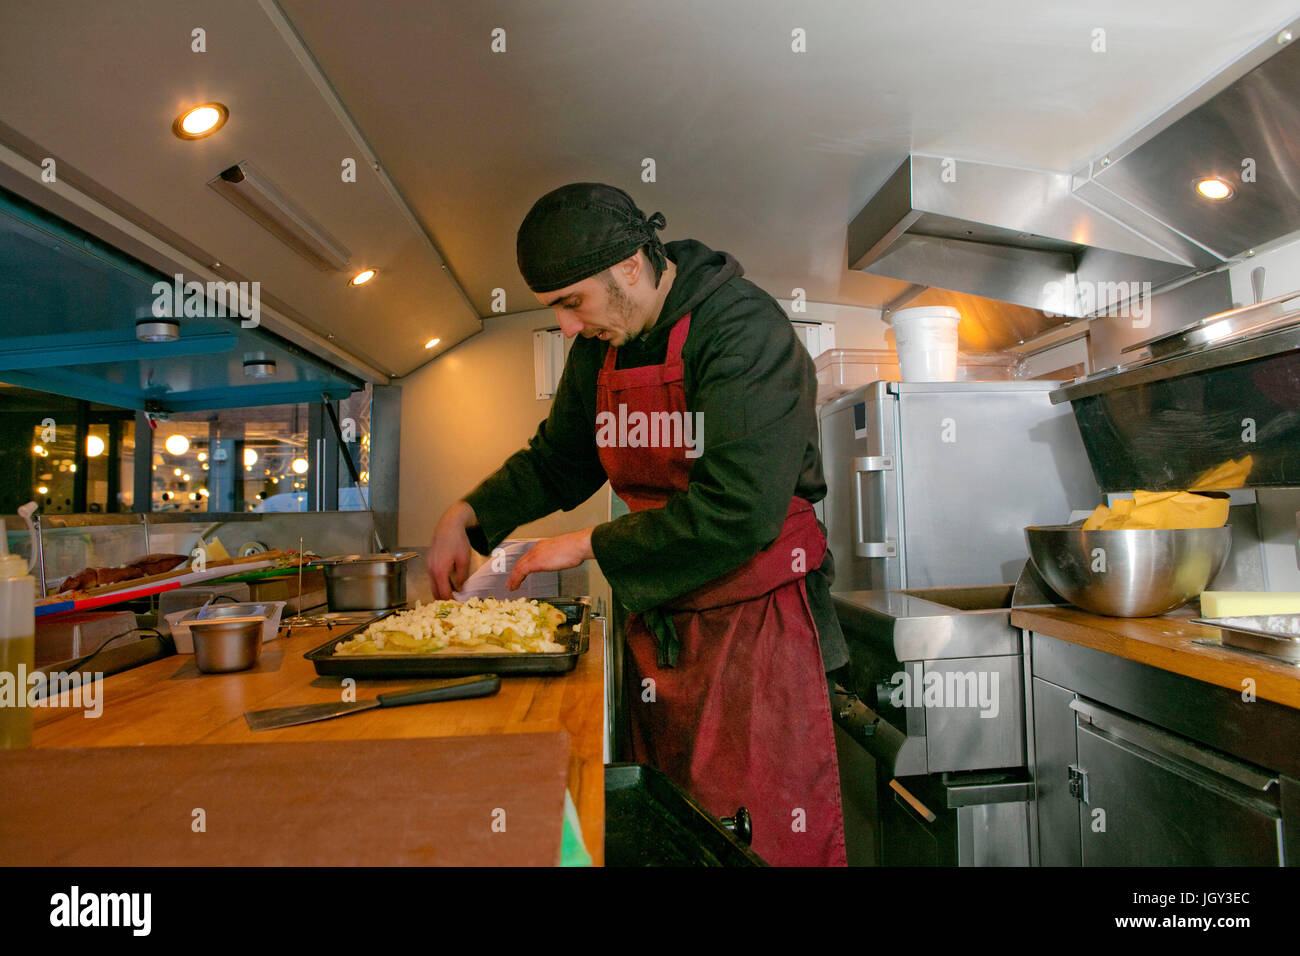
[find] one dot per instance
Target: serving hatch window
(75, 457)
(232, 460)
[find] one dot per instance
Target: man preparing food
(688, 391)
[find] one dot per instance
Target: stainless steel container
(366, 582)
(222, 645)
(1130, 572)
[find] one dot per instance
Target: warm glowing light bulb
(42, 490)
(250, 458)
(177, 444)
(94, 446)
(203, 456)
(200, 121)
(38, 450)
(299, 466)
(361, 278)
(431, 343)
(1214, 188)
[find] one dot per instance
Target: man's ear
(629, 269)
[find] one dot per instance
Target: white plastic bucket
(926, 339)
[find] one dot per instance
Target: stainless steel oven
(931, 728)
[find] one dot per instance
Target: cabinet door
(1055, 752)
(1146, 803)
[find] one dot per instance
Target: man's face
(596, 307)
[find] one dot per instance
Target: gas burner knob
(741, 825)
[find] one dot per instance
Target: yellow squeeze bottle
(17, 647)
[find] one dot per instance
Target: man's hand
(448, 558)
(552, 554)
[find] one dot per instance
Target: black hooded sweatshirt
(756, 387)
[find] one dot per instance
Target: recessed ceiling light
(200, 121)
(1213, 187)
(431, 343)
(361, 278)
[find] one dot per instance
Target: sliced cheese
(1231, 474)
(1217, 604)
(1160, 509)
(1097, 518)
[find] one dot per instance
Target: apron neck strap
(676, 339)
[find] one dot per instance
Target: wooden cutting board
(447, 801)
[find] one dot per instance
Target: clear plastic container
(840, 371)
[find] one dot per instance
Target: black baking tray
(650, 821)
(574, 634)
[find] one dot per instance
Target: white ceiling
(759, 150)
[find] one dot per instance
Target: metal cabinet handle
(861, 547)
(1164, 743)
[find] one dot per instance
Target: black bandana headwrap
(575, 231)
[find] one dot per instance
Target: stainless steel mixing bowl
(1131, 572)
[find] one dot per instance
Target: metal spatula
(480, 685)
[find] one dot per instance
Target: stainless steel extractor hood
(1016, 235)
(1078, 244)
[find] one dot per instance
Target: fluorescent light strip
(258, 198)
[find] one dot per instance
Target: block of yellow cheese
(1216, 604)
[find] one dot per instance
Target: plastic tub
(840, 371)
(926, 340)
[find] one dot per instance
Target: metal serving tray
(574, 634)
(1280, 645)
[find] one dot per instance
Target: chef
(688, 391)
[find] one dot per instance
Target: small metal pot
(222, 645)
(366, 582)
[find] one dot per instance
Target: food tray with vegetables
(452, 638)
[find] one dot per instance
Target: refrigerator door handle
(861, 547)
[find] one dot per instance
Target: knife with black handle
(480, 685)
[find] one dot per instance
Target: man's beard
(620, 305)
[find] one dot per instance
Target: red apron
(744, 718)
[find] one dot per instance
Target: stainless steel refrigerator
(932, 484)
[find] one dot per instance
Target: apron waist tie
(799, 548)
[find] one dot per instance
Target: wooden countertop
(1169, 643)
(169, 702)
